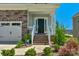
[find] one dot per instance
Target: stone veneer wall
(15, 15)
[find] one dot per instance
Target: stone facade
(15, 15)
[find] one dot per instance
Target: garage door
(10, 31)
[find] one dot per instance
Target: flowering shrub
(69, 48)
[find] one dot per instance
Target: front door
(40, 25)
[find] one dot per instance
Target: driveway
(21, 51)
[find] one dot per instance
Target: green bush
(60, 37)
(56, 47)
(26, 37)
(19, 44)
(8, 52)
(30, 52)
(47, 51)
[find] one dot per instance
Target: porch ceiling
(30, 7)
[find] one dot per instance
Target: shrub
(30, 52)
(53, 39)
(69, 48)
(60, 37)
(47, 51)
(19, 44)
(56, 47)
(8, 52)
(26, 37)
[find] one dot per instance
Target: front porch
(41, 28)
(39, 36)
(41, 23)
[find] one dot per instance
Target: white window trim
(45, 18)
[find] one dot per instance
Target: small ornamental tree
(60, 37)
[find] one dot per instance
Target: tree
(60, 37)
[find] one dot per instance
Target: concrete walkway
(21, 51)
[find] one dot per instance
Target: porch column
(50, 29)
(27, 19)
(28, 25)
(54, 19)
(53, 23)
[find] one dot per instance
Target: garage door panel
(16, 33)
(10, 32)
(4, 33)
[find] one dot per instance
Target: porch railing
(49, 34)
(33, 33)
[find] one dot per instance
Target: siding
(76, 27)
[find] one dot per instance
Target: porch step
(41, 39)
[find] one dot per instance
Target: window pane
(5, 24)
(16, 24)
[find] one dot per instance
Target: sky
(65, 13)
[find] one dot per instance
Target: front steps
(40, 39)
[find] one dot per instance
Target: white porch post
(28, 19)
(52, 26)
(48, 32)
(28, 26)
(52, 22)
(54, 19)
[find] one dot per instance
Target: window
(15, 24)
(5, 24)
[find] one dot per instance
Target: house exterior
(19, 19)
(76, 25)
